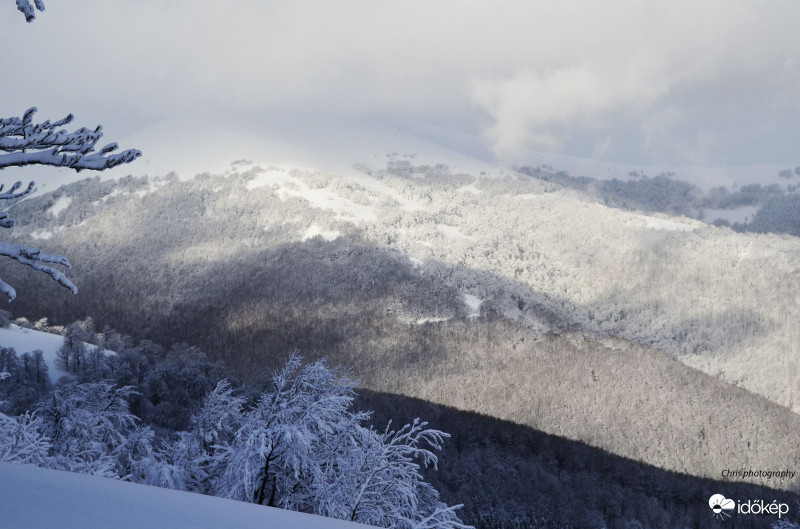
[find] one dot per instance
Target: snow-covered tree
(87, 424)
(35, 368)
(72, 353)
(21, 440)
(135, 455)
(218, 420)
(176, 465)
(374, 479)
(196, 460)
(271, 454)
(300, 447)
(26, 382)
(25, 143)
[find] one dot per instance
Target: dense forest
(178, 404)
(776, 205)
(291, 442)
(585, 337)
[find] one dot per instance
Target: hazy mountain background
(583, 342)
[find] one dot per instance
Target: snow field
(38, 498)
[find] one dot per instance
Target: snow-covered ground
(658, 223)
(29, 340)
(60, 205)
(314, 231)
(450, 232)
(473, 303)
(37, 498)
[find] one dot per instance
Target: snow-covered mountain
(436, 273)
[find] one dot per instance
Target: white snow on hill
(29, 340)
(473, 303)
(37, 498)
(659, 223)
(60, 205)
(314, 231)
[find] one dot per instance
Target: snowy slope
(29, 340)
(24, 340)
(37, 498)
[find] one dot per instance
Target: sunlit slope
(448, 287)
(723, 302)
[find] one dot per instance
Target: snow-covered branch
(34, 258)
(27, 8)
(46, 143)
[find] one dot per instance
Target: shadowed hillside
(498, 297)
(236, 272)
(546, 481)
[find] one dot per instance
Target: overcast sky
(708, 82)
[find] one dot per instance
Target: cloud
(630, 78)
(691, 82)
(541, 110)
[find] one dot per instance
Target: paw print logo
(719, 504)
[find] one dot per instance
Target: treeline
(777, 214)
(663, 193)
(172, 419)
(507, 475)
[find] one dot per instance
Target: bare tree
(26, 143)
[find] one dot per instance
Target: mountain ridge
(238, 257)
